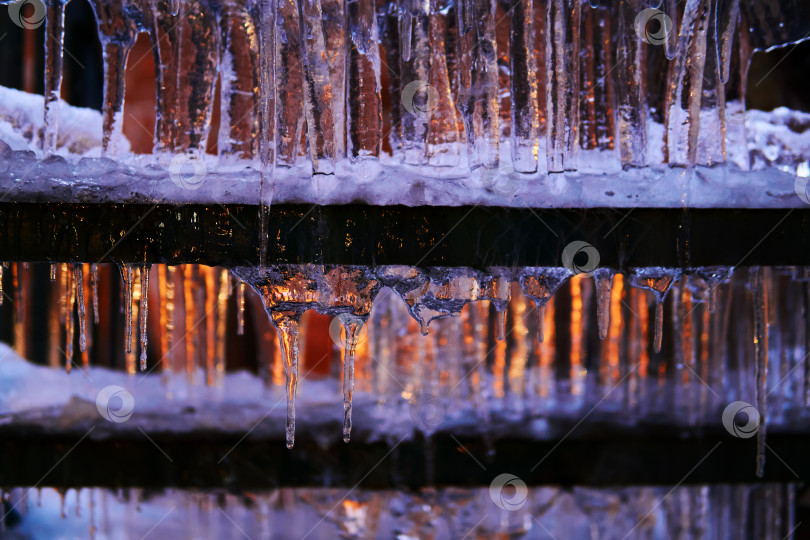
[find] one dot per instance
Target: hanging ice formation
(306, 78)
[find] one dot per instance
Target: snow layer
(779, 144)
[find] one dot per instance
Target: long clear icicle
(414, 67)
(443, 137)
(525, 128)
(144, 314)
(127, 271)
(94, 289)
(760, 278)
(478, 81)
(317, 88)
(562, 93)
(78, 277)
(351, 326)
(70, 298)
(287, 328)
(117, 30)
(686, 85)
(239, 76)
(54, 47)
(631, 109)
(604, 285)
(364, 103)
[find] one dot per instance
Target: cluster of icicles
(503, 338)
(718, 511)
(311, 77)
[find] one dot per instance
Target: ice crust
(779, 148)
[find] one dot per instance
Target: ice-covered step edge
(779, 147)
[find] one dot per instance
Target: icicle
(417, 95)
(144, 313)
(289, 75)
(197, 56)
(222, 319)
(54, 267)
(659, 281)
(239, 76)
(54, 45)
(267, 110)
(562, 94)
(539, 285)
(631, 109)
(70, 296)
(20, 300)
(364, 105)
(163, 310)
(334, 19)
(189, 305)
(713, 276)
(317, 88)
(500, 324)
(352, 326)
(443, 138)
(478, 81)
(686, 86)
(79, 279)
(117, 31)
(211, 298)
(94, 288)
(162, 24)
(604, 284)
(728, 12)
(806, 352)
(240, 307)
(525, 129)
(286, 324)
(760, 278)
(541, 322)
(711, 137)
(128, 280)
(131, 357)
(2, 293)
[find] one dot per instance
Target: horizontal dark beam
(667, 457)
(476, 236)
